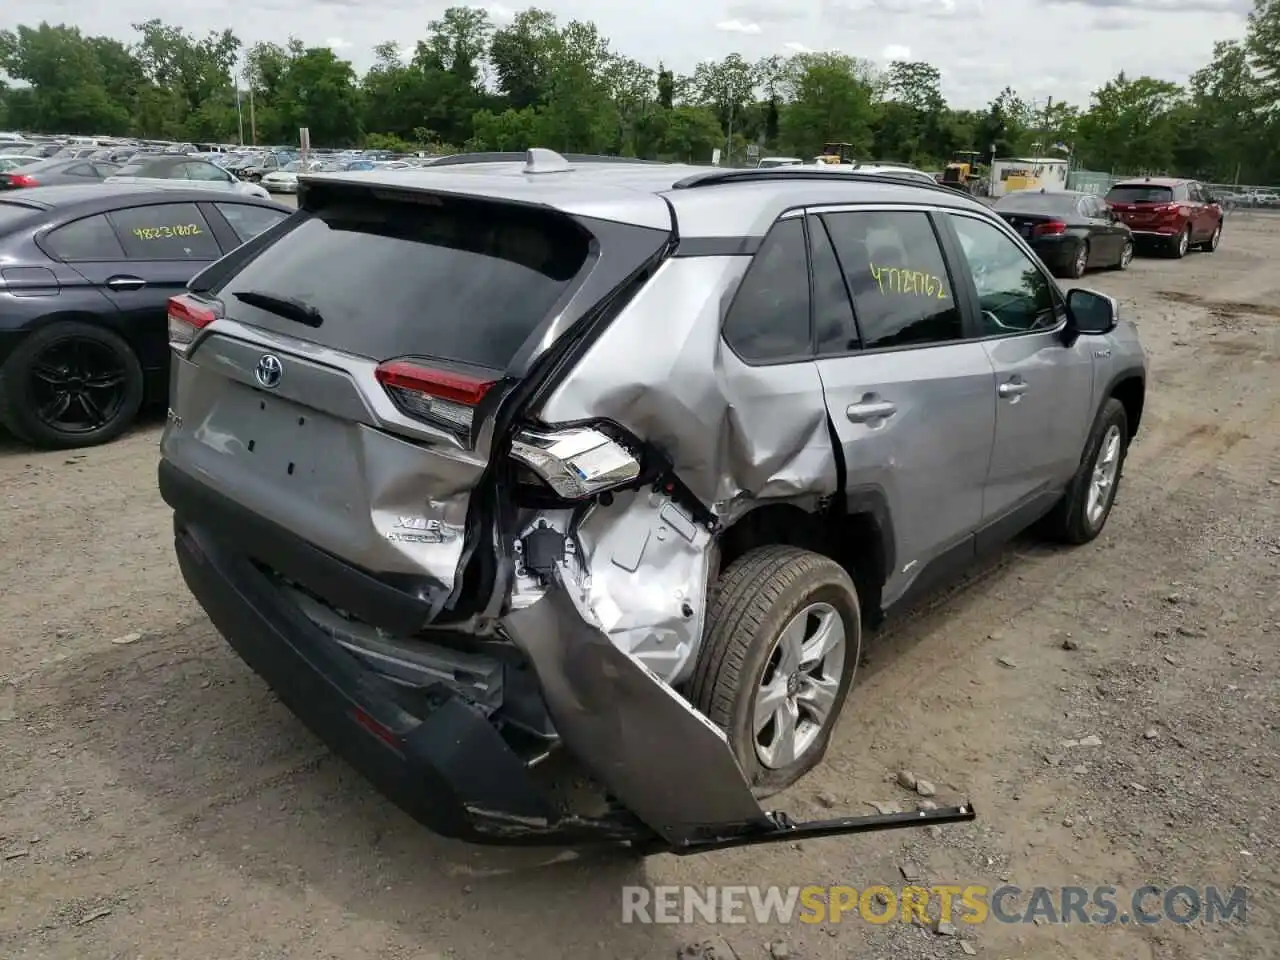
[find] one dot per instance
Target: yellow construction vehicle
(962, 172)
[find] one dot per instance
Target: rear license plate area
(285, 443)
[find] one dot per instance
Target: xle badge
(417, 530)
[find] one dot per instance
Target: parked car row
(1073, 232)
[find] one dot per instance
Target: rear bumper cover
(676, 783)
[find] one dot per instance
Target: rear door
(1105, 234)
(361, 355)
(911, 400)
(159, 248)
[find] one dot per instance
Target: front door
(1044, 388)
(910, 399)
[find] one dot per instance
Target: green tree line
(537, 81)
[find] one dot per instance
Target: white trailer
(1028, 173)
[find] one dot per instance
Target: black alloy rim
(77, 385)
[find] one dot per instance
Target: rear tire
(1126, 256)
(40, 375)
(1210, 245)
(1179, 246)
(1086, 504)
(1079, 261)
(782, 644)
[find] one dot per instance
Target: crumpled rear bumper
(675, 782)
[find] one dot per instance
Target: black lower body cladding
(675, 782)
(438, 756)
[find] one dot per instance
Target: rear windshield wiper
(286, 307)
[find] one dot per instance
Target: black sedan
(52, 173)
(1071, 232)
(86, 274)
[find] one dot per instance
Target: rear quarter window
(90, 238)
(248, 220)
(467, 281)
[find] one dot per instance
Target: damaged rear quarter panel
(735, 434)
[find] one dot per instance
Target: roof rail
(752, 175)
(522, 156)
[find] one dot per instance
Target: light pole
(239, 112)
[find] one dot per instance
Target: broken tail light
(187, 315)
(577, 462)
(439, 397)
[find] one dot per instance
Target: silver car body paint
(734, 433)
(670, 765)
(618, 626)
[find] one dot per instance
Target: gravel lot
(155, 800)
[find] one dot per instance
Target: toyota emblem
(269, 371)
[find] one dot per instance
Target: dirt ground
(157, 802)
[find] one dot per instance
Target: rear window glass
(1037, 202)
(465, 281)
(1139, 193)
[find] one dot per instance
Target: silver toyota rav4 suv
(522, 454)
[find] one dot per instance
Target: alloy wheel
(797, 694)
(1184, 242)
(1106, 468)
(1126, 254)
(1082, 260)
(77, 385)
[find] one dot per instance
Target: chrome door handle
(126, 283)
(1013, 388)
(870, 410)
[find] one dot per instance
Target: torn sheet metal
(641, 566)
(662, 759)
(734, 433)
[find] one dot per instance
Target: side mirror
(1091, 313)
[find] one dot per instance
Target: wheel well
(1131, 393)
(854, 540)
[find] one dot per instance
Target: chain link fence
(1234, 197)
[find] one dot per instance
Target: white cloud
(500, 12)
(895, 51)
(738, 26)
(1005, 45)
(796, 47)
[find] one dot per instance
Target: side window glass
(1014, 294)
(166, 231)
(80, 170)
(897, 277)
(89, 239)
(204, 171)
(832, 309)
(247, 220)
(769, 317)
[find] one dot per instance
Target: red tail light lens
(439, 397)
(186, 316)
(22, 180)
(1051, 229)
